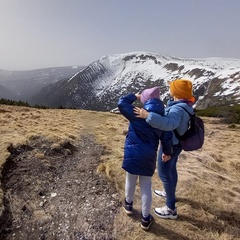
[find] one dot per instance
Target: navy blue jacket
(142, 140)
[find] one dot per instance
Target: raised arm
(125, 105)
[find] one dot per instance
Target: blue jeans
(167, 172)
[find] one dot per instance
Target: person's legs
(146, 194)
(167, 172)
(130, 185)
(146, 197)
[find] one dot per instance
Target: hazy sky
(51, 33)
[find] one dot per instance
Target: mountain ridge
(99, 85)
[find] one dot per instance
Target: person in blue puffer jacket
(175, 118)
(140, 150)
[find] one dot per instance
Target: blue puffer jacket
(175, 118)
(141, 144)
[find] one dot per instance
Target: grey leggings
(145, 188)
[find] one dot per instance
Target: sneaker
(160, 193)
(166, 212)
(128, 207)
(146, 222)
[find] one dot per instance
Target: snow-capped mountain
(216, 81)
(21, 85)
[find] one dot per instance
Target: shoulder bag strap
(175, 130)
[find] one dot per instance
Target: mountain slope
(27, 83)
(99, 86)
(6, 93)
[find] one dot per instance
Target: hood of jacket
(180, 103)
(154, 105)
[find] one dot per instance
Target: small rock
(53, 195)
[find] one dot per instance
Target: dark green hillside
(228, 114)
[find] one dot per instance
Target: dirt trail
(58, 196)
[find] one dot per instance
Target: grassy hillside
(209, 179)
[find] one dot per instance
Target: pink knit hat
(150, 93)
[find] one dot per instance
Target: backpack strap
(187, 111)
(190, 115)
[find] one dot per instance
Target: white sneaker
(166, 212)
(160, 193)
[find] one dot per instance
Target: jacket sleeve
(125, 106)
(166, 141)
(167, 122)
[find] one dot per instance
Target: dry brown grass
(209, 179)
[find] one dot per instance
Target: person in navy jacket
(140, 150)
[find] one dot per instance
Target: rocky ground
(56, 193)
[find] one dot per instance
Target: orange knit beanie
(181, 88)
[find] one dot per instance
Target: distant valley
(23, 85)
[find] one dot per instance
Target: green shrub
(228, 114)
(232, 125)
(19, 103)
